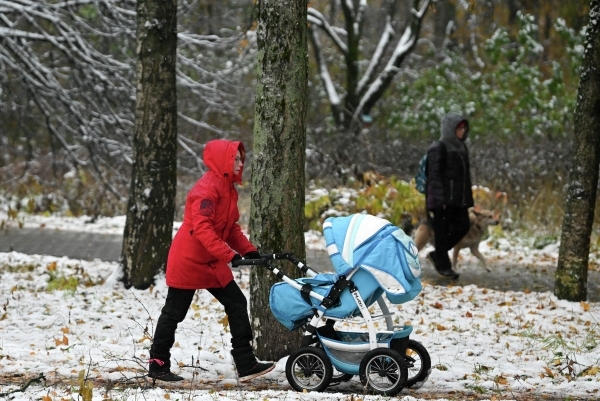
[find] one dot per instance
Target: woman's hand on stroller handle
(250, 258)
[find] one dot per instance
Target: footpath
(504, 275)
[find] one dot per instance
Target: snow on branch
(334, 99)
(316, 18)
(404, 46)
(377, 57)
(76, 60)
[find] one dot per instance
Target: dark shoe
(258, 370)
(247, 366)
(448, 272)
(161, 370)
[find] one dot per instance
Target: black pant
(449, 225)
(177, 304)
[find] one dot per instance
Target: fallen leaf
(592, 371)
(64, 341)
(51, 266)
(146, 337)
(224, 321)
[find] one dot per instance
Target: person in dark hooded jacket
(449, 193)
(207, 241)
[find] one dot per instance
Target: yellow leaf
(585, 306)
(167, 396)
(51, 266)
(224, 321)
(592, 371)
(548, 372)
(440, 327)
(46, 398)
(65, 330)
(195, 306)
(146, 337)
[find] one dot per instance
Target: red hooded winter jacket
(209, 234)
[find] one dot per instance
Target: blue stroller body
(371, 258)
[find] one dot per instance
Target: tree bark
(571, 274)
(277, 208)
(151, 205)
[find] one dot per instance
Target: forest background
(67, 105)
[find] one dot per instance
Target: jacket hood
(219, 155)
(448, 127)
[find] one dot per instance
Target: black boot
(247, 366)
(444, 271)
(160, 369)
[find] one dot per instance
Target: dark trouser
(449, 225)
(177, 304)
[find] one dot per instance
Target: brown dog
(480, 219)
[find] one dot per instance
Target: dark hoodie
(448, 169)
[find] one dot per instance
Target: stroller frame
(384, 359)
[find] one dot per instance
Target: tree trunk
(277, 209)
(151, 205)
(571, 274)
(445, 12)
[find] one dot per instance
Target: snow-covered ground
(60, 316)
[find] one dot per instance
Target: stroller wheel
(383, 371)
(418, 362)
(309, 369)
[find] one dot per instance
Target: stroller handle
(264, 258)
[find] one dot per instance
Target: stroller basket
(347, 349)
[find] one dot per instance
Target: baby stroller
(371, 257)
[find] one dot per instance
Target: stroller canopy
(378, 247)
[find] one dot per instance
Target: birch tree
(573, 258)
(277, 209)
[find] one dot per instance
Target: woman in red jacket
(208, 240)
